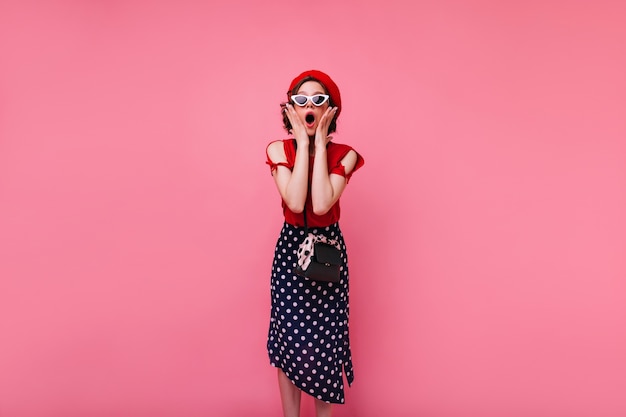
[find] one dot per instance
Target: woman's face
(310, 114)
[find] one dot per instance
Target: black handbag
(324, 263)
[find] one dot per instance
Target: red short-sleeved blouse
(335, 153)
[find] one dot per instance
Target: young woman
(308, 337)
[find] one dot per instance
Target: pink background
(486, 231)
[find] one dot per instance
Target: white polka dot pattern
(308, 333)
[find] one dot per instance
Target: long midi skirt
(308, 334)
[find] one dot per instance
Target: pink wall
(486, 231)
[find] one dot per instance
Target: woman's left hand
(321, 133)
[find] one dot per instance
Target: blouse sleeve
(339, 169)
(274, 165)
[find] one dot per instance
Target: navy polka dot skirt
(308, 335)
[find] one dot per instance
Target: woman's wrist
(302, 142)
(321, 144)
(320, 149)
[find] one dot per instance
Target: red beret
(325, 80)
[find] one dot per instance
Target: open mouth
(309, 119)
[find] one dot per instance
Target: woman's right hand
(297, 127)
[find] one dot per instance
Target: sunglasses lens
(299, 100)
(319, 99)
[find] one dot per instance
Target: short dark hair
(287, 124)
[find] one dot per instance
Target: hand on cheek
(297, 126)
(321, 133)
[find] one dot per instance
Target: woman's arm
(292, 184)
(327, 188)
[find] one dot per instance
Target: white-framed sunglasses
(317, 100)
